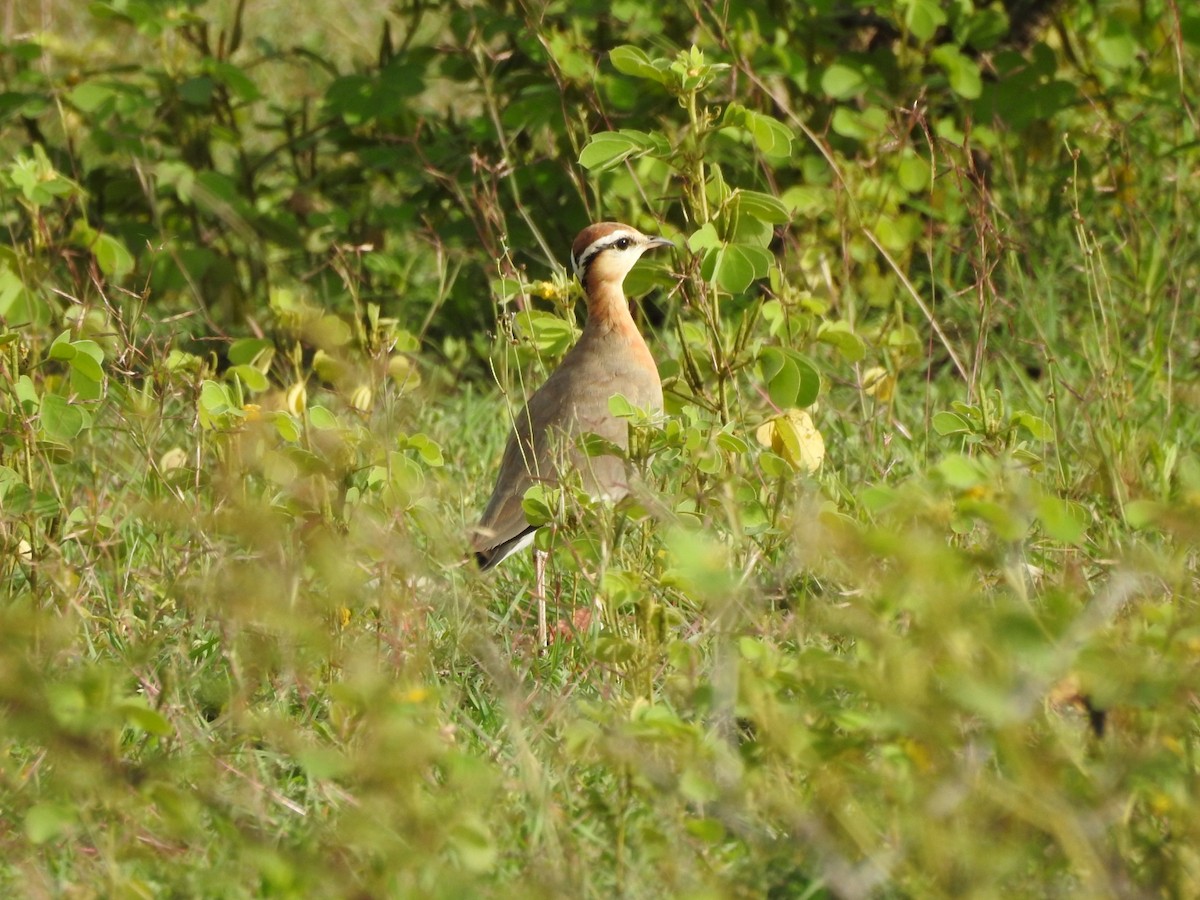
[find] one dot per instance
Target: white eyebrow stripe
(603, 243)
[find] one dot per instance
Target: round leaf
(60, 420)
(735, 267)
(923, 18)
(842, 336)
(842, 81)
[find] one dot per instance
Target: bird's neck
(608, 309)
(610, 324)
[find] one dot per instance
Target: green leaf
(90, 349)
(960, 471)
(735, 267)
(537, 504)
(329, 331)
(774, 466)
(620, 407)
(984, 29)
(246, 350)
(286, 427)
(748, 230)
(254, 380)
(962, 71)
(899, 232)
(1142, 514)
(761, 206)
(859, 125)
(60, 420)
(951, 423)
(322, 419)
(38, 180)
(351, 98)
(1004, 521)
(1062, 520)
(704, 238)
(473, 845)
(752, 648)
(138, 715)
(112, 256)
(27, 394)
(406, 476)
(810, 381)
(1035, 425)
(611, 148)
(630, 60)
(215, 398)
(89, 97)
(18, 304)
(792, 381)
(732, 443)
(197, 91)
(62, 347)
(17, 497)
(427, 449)
(876, 498)
(772, 136)
(709, 830)
(915, 174)
(547, 332)
(46, 821)
(923, 18)
(84, 357)
(87, 367)
(1117, 46)
(841, 335)
(234, 78)
(841, 81)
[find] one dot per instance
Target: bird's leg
(539, 592)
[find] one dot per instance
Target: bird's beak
(658, 242)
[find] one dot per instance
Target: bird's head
(606, 251)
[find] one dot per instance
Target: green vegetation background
(909, 605)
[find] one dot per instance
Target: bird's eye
(624, 244)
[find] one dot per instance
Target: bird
(610, 357)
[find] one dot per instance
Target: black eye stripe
(599, 245)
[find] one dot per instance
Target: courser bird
(610, 358)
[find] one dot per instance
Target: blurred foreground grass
(236, 665)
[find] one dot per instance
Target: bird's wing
(539, 432)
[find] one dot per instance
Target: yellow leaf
(175, 458)
(361, 398)
(765, 432)
(794, 437)
(297, 399)
(877, 383)
(403, 372)
(329, 368)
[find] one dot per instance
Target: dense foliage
(909, 604)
